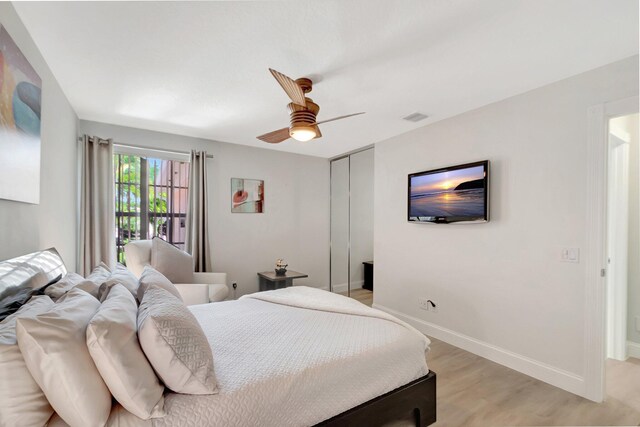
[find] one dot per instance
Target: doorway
(597, 312)
(352, 225)
(623, 260)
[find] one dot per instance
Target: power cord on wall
(234, 285)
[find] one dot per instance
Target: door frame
(596, 242)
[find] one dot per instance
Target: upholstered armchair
(202, 289)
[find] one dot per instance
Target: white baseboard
(555, 376)
(357, 284)
(341, 287)
(633, 349)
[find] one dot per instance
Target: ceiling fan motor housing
(303, 116)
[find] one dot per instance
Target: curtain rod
(186, 153)
(137, 147)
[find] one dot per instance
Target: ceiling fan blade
(276, 136)
(293, 90)
(339, 118)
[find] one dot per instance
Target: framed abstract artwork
(247, 195)
(20, 109)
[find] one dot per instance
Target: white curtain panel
(197, 236)
(97, 208)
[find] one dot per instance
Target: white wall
(294, 225)
(24, 227)
(500, 287)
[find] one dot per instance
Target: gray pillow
(121, 275)
(175, 264)
(113, 344)
(152, 277)
(100, 274)
(62, 286)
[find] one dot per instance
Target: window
(151, 199)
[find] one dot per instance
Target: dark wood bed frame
(415, 400)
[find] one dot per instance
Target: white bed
(279, 364)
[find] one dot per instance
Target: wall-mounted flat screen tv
(453, 194)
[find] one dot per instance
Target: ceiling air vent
(415, 117)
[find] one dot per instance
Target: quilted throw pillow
(175, 344)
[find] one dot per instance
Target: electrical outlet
(426, 304)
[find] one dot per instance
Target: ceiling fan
(302, 112)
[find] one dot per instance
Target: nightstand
(269, 280)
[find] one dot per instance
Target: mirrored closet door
(352, 225)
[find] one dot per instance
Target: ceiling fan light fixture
(303, 133)
(303, 125)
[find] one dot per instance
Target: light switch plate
(570, 255)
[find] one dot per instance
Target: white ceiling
(200, 69)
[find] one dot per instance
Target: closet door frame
(331, 239)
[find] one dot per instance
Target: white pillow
(23, 402)
(152, 277)
(175, 264)
(62, 286)
(137, 254)
(175, 344)
(54, 347)
(119, 275)
(114, 347)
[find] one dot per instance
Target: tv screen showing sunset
(458, 193)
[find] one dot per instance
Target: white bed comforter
(295, 357)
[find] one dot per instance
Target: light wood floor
(473, 391)
(362, 295)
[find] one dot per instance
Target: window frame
(144, 216)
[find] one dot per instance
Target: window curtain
(197, 233)
(97, 210)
